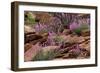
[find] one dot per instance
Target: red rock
(30, 54)
(27, 46)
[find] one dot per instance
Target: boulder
(85, 45)
(27, 46)
(85, 32)
(32, 37)
(32, 52)
(28, 29)
(41, 40)
(74, 39)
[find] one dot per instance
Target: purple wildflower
(74, 25)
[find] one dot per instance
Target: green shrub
(45, 55)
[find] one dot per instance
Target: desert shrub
(29, 18)
(45, 55)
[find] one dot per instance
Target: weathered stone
(48, 48)
(87, 38)
(31, 53)
(32, 37)
(45, 34)
(84, 54)
(59, 56)
(74, 39)
(27, 46)
(66, 56)
(66, 31)
(28, 29)
(85, 32)
(42, 40)
(80, 39)
(85, 45)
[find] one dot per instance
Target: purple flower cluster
(54, 26)
(74, 26)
